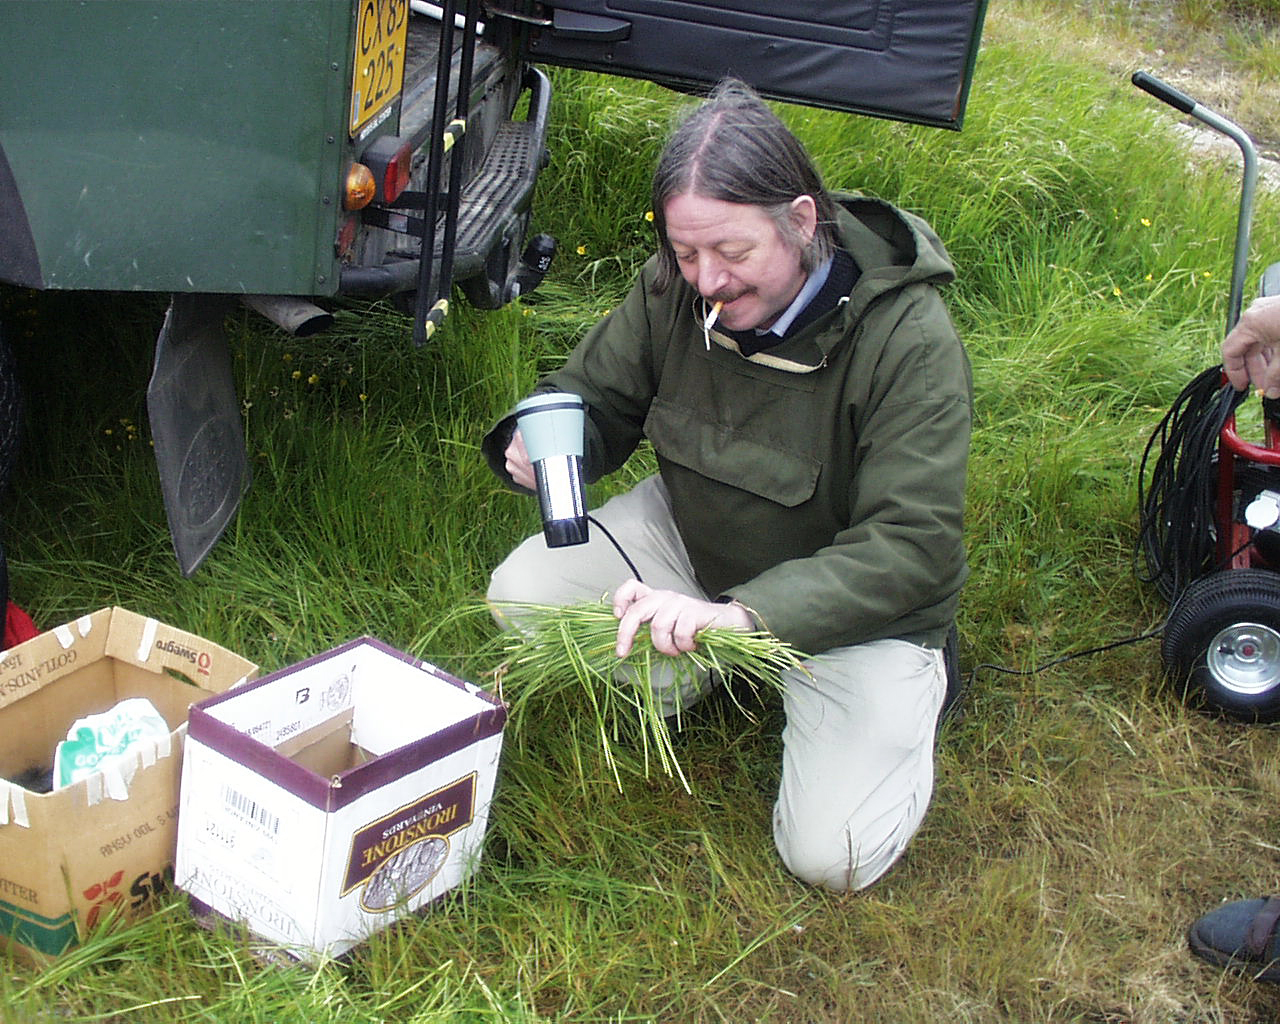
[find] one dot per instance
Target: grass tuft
(559, 653)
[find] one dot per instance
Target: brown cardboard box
(69, 856)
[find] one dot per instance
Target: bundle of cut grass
(555, 651)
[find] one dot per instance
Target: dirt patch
(1204, 63)
(1213, 145)
(1219, 61)
(1211, 64)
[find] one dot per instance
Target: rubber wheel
(1222, 644)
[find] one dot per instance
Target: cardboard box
(68, 856)
(325, 801)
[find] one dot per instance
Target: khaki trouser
(857, 763)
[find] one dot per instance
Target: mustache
(727, 297)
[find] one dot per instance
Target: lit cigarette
(710, 322)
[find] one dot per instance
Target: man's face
(735, 254)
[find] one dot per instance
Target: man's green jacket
(819, 482)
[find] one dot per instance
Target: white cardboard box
(69, 856)
(324, 801)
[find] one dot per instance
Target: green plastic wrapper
(111, 743)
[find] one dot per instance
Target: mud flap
(195, 423)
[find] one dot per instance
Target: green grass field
(1082, 817)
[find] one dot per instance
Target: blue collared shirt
(810, 288)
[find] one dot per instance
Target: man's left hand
(674, 619)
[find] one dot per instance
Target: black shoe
(1241, 936)
(952, 709)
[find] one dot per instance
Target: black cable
(1224, 562)
(974, 671)
(1150, 634)
(1177, 535)
(630, 564)
(1068, 657)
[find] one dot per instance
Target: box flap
(29, 666)
(403, 708)
(152, 645)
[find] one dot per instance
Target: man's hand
(674, 619)
(518, 464)
(1251, 351)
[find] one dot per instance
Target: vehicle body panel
(200, 146)
(174, 146)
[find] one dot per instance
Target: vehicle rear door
(909, 60)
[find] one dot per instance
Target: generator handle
(1164, 92)
(1181, 101)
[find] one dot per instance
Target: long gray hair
(732, 147)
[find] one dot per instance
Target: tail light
(390, 159)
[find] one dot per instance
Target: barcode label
(250, 810)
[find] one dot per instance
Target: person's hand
(674, 619)
(518, 464)
(1251, 351)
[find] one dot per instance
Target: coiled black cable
(1177, 535)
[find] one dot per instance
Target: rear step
(500, 191)
(490, 212)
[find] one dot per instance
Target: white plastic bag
(111, 743)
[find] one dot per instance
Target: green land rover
(289, 154)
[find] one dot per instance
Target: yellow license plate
(382, 26)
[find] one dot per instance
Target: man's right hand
(518, 464)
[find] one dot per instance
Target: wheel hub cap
(1245, 658)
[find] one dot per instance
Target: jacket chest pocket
(731, 456)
